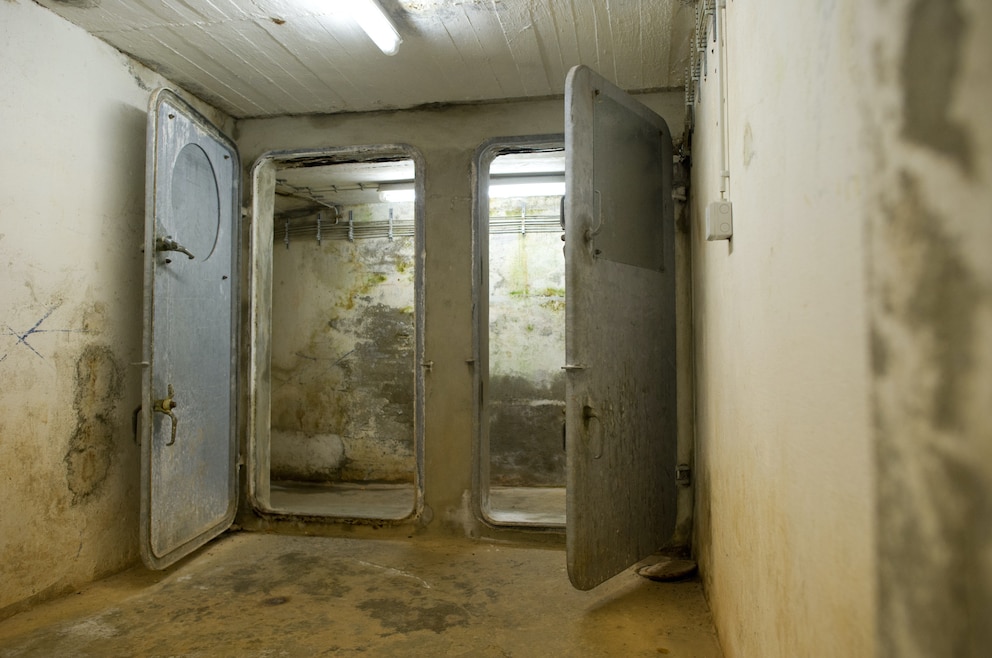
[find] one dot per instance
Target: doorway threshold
(343, 499)
(539, 506)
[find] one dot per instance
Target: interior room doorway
(521, 331)
(338, 423)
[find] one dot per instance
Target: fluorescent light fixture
(397, 192)
(518, 186)
(371, 17)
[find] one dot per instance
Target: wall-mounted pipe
(719, 26)
(719, 215)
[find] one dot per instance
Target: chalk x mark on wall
(22, 338)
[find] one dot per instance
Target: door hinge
(682, 474)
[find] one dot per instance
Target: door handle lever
(168, 244)
(165, 407)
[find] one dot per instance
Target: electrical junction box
(719, 221)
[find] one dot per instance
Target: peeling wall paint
(343, 394)
(99, 388)
(526, 350)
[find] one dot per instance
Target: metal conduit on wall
(363, 230)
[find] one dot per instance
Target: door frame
(488, 151)
(258, 325)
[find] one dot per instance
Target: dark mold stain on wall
(934, 506)
(928, 74)
(345, 396)
(384, 361)
(526, 422)
(943, 305)
(99, 386)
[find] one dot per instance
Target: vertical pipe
(719, 31)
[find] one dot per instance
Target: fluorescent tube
(371, 17)
(522, 186)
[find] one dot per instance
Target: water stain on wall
(526, 343)
(748, 142)
(526, 422)
(941, 309)
(346, 374)
(929, 70)
(924, 343)
(99, 386)
(366, 399)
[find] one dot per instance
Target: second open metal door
(620, 330)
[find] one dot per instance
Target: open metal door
(620, 330)
(188, 442)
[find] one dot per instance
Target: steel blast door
(188, 449)
(620, 330)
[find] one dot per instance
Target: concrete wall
(929, 228)
(72, 157)
(343, 336)
(842, 337)
(448, 138)
(526, 350)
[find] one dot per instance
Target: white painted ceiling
(255, 58)
(344, 183)
(349, 183)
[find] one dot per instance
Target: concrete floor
(253, 594)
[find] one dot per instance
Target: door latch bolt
(165, 407)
